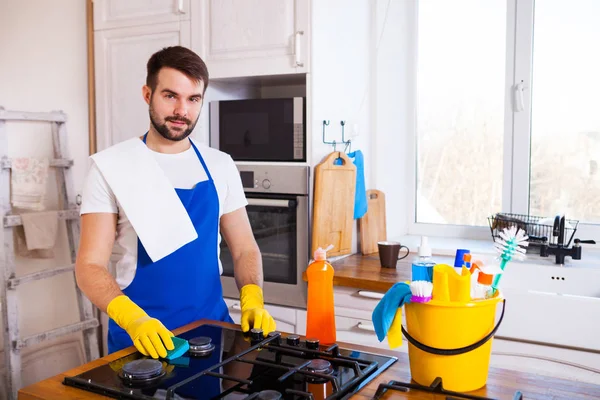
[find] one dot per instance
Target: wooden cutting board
(333, 207)
(372, 225)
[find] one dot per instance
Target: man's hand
(148, 334)
(254, 314)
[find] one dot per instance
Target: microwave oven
(259, 129)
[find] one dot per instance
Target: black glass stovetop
(224, 363)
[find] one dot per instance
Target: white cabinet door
(120, 62)
(110, 14)
(252, 37)
(285, 317)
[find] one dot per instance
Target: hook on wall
(326, 123)
(347, 143)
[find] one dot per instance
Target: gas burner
(201, 346)
(269, 395)
(318, 366)
(142, 372)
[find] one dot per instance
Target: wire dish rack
(539, 233)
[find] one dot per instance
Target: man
(163, 230)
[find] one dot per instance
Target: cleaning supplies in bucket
(451, 340)
(447, 339)
(448, 285)
(422, 266)
(421, 291)
(482, 277)
(511, 244)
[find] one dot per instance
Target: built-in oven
(278, 213)
(260, 129)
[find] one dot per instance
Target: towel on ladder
(36, 238)
(28, 180)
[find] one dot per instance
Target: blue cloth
(360, 197)
(384, 312)
(187, 281)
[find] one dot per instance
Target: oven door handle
(272, 203)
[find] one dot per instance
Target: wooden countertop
(365, 272)
(501, 384)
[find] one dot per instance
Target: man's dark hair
(180, 58)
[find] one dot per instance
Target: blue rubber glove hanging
(360, 197)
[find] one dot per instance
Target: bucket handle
(454, 352)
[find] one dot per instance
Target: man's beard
(169, 134)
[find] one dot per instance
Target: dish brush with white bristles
(421, 291)
(511, 245)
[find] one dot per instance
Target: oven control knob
(312, 343)
(256, 334)
(266, 184)
(276, 335)
(293, 340)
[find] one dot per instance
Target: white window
(507, 113)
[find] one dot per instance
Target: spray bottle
(320, 315)
(421, 286)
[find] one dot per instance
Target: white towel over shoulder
(147, 197)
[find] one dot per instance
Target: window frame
(517, 130)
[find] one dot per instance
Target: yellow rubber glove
(394, 334)
(254, 314)
(148, 334)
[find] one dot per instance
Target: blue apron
(184, 286)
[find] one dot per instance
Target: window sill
(443, 250)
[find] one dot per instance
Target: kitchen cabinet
(120, 63)
(111, 14)
(285, 317)
(353, 317)
(240, 38)
(546, 360)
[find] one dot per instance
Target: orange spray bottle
(320, 316)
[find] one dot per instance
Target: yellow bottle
(320, 315)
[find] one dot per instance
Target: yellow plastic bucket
(452, 341)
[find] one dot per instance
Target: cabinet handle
(180, 9)
(236, 306)
(370, 295)
(297, 49)
(365, 327)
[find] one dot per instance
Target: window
(507, 119)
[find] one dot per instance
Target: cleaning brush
(511, 245)
(421, 291)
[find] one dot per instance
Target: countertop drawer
(356, 299)
(361, 332)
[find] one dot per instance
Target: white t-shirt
(184, 170)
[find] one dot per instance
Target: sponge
(181, 346)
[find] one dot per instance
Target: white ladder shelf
(13, 342)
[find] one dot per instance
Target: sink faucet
(559, 250)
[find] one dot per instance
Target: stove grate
(436, 387)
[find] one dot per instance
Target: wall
(339, 85)
(393, 108)
(43, 67)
